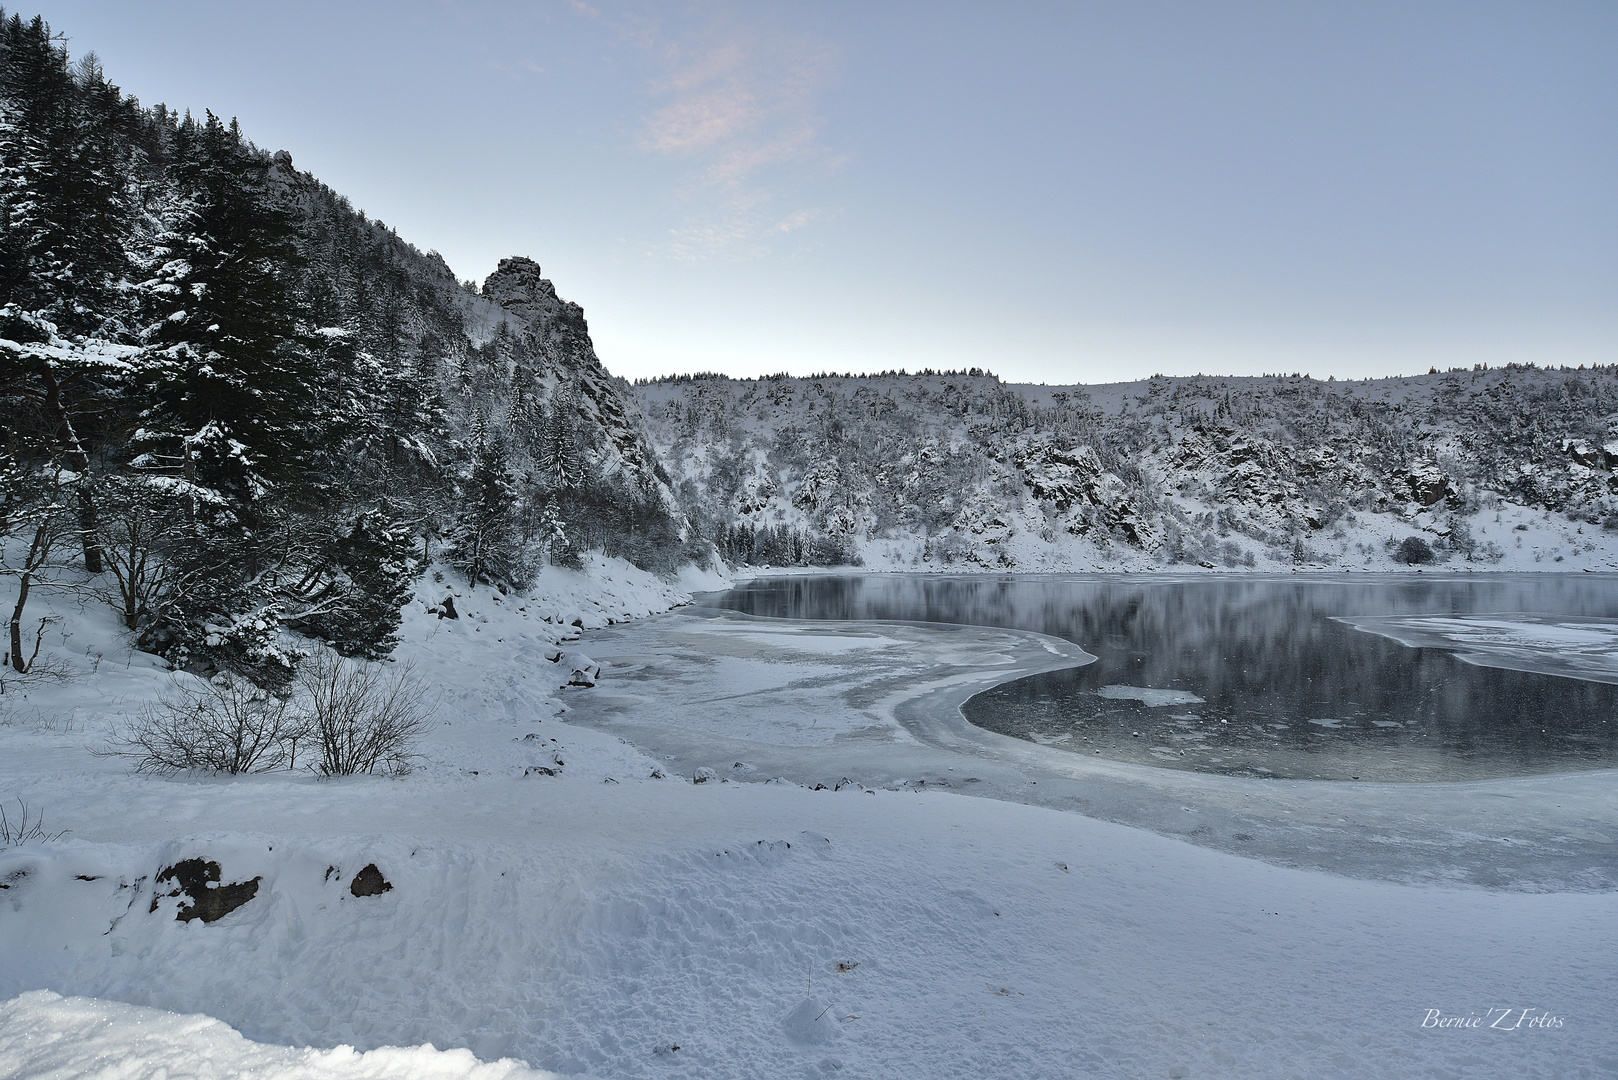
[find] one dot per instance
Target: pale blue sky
(1057, 192)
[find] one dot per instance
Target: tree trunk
(89, 527)
(38, 552)
(79, 458)
(16, 625)
(131, 606)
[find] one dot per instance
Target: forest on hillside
(247, 416)
(963, 468)
(232, 405)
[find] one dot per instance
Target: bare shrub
(363, 717)
(14, 687)
(26, 828)
(228, 725)
(139, 516)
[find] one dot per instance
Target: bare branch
(363, 717)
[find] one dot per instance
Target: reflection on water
(1256, 676)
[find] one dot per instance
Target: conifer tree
(64, 168)
(483, 542)
(558, 456)
(231, 377)
(365, 582)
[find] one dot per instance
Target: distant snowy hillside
(1506, 469)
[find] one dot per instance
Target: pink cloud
(739, 102)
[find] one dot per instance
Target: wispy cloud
(741, 225)
(735, 99)
(518, 71)
(701, 121)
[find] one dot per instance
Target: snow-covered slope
(541, 891)
(1505, 469)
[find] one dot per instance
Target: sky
(1056, 192)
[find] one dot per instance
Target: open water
(1362, 677)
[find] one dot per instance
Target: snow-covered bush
(1413, 550)
(1460, 538)
(228, 725)
(362, 717)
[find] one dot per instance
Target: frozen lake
(1373, 678)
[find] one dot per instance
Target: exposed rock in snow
(582, 671)
(202, 895)
(369, 882)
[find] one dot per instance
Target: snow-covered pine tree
(552, 531)
(483, 542)
(361, 587)
(64, 134)
(559, 459)
(229, 384)
(64, 172)
(231, 376)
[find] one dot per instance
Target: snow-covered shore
(608, 917)
(878, 704)
(1525, 540)
(43, 1033)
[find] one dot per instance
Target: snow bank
(43, 1034)
(659, 927)
(603, 591)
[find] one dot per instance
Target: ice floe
(1150, 696)
(1575, 648)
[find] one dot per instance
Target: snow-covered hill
(1499, 469)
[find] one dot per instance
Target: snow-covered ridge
(1500, 469)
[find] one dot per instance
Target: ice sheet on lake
(1573, 648)
(1150, 696)
(834, 641)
